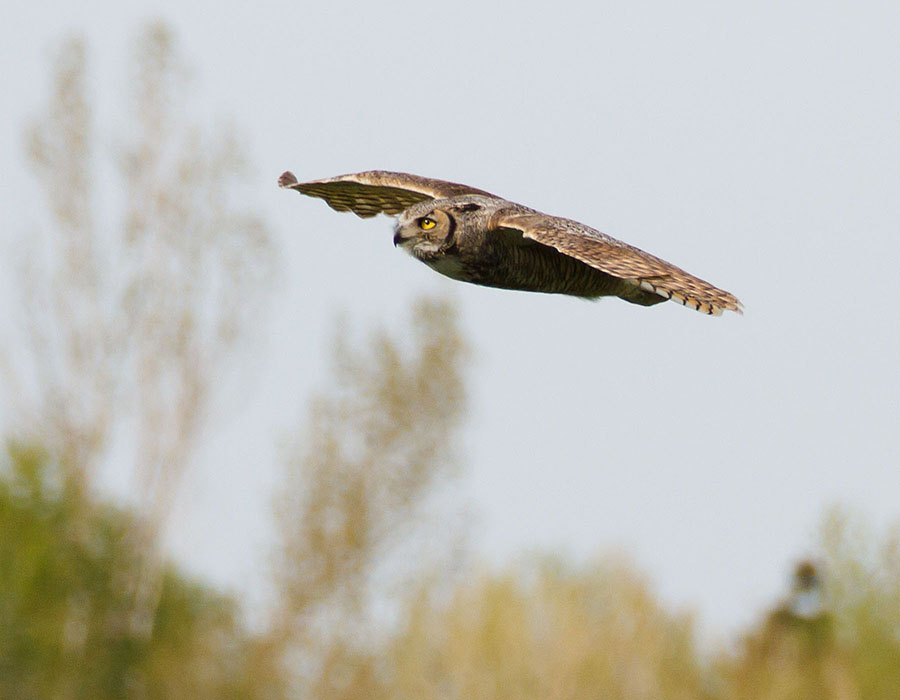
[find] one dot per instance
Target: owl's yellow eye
(426, 224)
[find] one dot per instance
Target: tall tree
(377, 443)
(137, 292)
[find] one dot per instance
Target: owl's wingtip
(736, 306)
(287, 179)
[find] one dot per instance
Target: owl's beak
(399, 238)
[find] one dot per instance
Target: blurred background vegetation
(131, 318)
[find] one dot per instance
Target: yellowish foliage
(546, 633)
(378, 441)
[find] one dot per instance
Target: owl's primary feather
(471, 235)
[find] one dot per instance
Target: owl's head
(432, 227)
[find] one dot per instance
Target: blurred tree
(130, 320)
(376, 446)
(64, 613)
(861, 590)
(793, 655)
(546, 632)
(837, 637)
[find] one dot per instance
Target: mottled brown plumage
(474, 236)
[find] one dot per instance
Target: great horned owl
(473, 236)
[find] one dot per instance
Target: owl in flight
(474, 236)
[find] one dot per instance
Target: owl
(473, 236)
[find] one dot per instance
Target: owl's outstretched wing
(375, 191)
(621, 260)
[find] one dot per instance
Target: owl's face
(426, 233)
(431, 228)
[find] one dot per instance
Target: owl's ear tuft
(470, 206)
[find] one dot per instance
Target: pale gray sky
(757, 145)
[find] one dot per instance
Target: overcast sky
(757, 145)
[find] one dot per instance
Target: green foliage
(65, 601)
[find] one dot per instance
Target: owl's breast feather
(450, 266)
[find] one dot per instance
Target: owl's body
(472, 236)
(499, 257)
